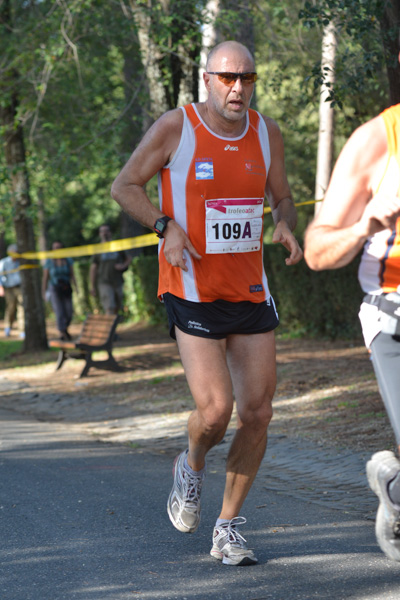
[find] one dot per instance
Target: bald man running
(217, 160)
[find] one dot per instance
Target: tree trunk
(326, 113)
(151, 59)
(168, 52)
(2, 237)
(390, 27)
(184, 61)
(189, 80)
(211, 37)
(137, 119)
(136, 123)
(42, 241)
(14, 149)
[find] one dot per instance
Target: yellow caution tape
(141, 241)
(20, 268)
(267, 209)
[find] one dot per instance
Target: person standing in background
(10, 279)
(107, 271)
(58, 273)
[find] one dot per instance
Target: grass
(372, 414)
(12, 355)
(162, 379)
(326, 399)
(347, 404)
(9, 348)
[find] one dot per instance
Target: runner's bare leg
(207, 373)
(251, 360)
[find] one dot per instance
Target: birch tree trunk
(211, 37)
(326, 113)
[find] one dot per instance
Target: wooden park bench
(98, 332)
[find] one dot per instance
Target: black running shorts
(218, 319)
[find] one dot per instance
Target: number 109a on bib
(234, 225)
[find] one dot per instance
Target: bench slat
(96, 330)
(61, 344)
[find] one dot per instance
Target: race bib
(234, 225)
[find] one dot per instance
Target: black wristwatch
(160, 226)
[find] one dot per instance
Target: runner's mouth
(236, 103)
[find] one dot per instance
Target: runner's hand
(381, 212)
(176, 241)
(283, 235)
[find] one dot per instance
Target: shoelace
(193, 488)
(234, 536)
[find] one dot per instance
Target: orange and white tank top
(379, 270)
(214, 188)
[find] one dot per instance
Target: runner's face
(233, 102)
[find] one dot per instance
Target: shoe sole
(245, 562)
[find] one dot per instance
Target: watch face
(159, 227)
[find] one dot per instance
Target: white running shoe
(229, 546)
(184, 500)
(382, 468)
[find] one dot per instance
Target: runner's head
(229, 79)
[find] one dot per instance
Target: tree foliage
(85, 91)
(369, 30)
(91, 76)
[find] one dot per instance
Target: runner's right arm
(156, 150)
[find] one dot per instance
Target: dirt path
(326, 391)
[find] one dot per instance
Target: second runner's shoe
(184, 500)
(229, 546)
(381, 470)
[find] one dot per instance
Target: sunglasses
(229, 79)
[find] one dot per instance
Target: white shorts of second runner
(370, 318)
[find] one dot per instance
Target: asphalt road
(80, 519)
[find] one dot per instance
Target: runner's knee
(257, 418)
(216, 420)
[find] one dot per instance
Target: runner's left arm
(280, 198)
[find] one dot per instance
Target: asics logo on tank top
(231, 148)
